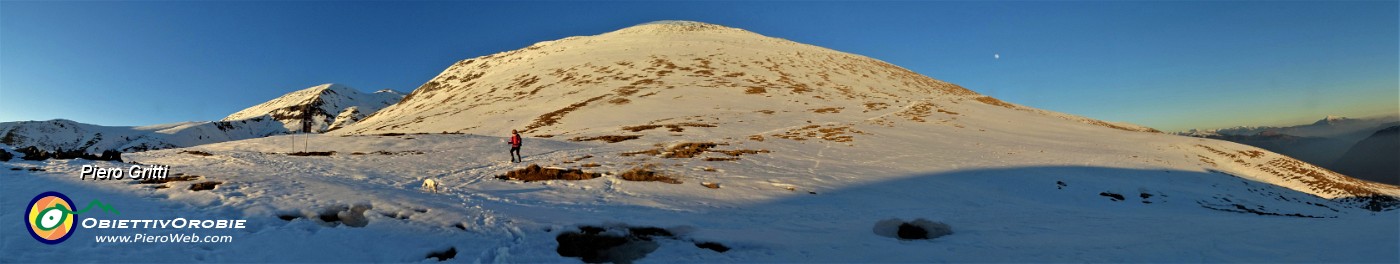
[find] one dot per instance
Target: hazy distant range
(1363, 148)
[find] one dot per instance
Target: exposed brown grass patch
(917, 112)
(1221, 153)
(551, 118)
(758, 138)
(608, 138)
(649, 152)
(755, 90)
(838, 134)
(196, 153)
(876, 106)
(1115, 126)
(693, 150)
(311, 153)
(711, 185)
(680, 127)
(525, 80)
(796, 134)
(766, 112)
(833, 133)
(536, 173)
(688, 150)
(828, 110)
(645, 82)
(1316, 178)
(722, 159)
(645, 173)
(382, 152)
(677, 127)
(205, 186)
(947, 112)
(640, 128)
(740, 152)
(619, 101)
(1207, 160)
(590, 165)
(993, 101)
(627, 90)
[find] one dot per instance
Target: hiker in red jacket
(515, 146)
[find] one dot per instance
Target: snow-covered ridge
(331, 106)
(325, 107)
(68, 135)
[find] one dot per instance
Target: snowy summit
(327, 106)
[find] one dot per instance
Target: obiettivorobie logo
(52, 220)
(50, 216)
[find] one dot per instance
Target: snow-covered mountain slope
(327, 106)
(665, 71)
(674, 82)
(68, 135)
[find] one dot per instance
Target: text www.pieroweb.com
(177, 223)
(166, 238)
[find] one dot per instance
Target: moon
(996, 56)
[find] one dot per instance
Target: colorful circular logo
(50, 217)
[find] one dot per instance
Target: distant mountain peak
(323, 105)
(335, 88)
(1331, 119)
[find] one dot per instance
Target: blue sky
(1170, 65)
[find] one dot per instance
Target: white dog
(429, 185)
